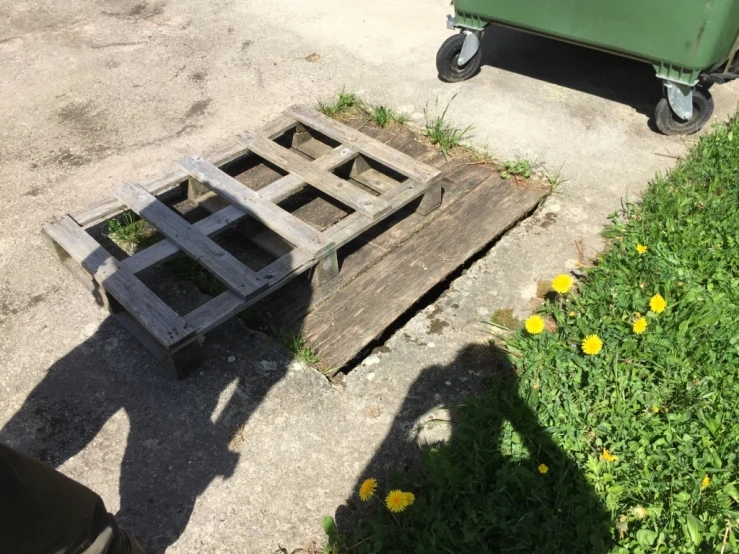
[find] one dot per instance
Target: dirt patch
(198, 108)
(199, 76)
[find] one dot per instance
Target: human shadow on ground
(601, 74)
(180, 436)
(483, 491)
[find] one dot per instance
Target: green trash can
(692, 44)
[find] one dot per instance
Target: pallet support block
(327, 269)
(430, 201)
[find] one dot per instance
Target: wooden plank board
(386, 155)
(329, 183)
(271, 215)
(155, 316)
(107, 207)
(289, 308)
(342, 326)
(220, 221)
(226, 268)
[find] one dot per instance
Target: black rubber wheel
(670, 124)
(446, 61)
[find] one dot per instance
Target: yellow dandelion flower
(706, 481)
(367, 489)
(535, 386)
(572, 314)
(655, 409)
(606, 456)
(410, 498)
(639, 512)
(591, 345)
(657, 304)
(396, 501)
(543, 469)
(641, 248)
(640, 325)
(562, 283)
(534, 324)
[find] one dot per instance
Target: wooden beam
(227, 269)
(271, 215)
(386, 155)
(371, 206)
(168, 328)
(347, 322)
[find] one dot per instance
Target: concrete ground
(249, 454)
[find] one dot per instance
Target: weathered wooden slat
(313, 148)
(227, 269)
(366, 145)
(329, 183)
(271, 215)
(155, 316)
(110, 206)
(418, 264)
(225, 218)
(375, 180)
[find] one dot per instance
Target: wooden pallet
(380, 181)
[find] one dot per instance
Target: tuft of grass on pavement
(631, 448)
(441, 132)
(555, 177)
(383, 116)
(519, 168)
(346, 103)
(297, 345)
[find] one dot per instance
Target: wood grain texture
(324, 181)
(225, 267)
(386, 155)
(108, 207)
(168, 328)
(342, 326)
(280, 221)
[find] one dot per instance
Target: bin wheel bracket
(470, 47)
(680, 98)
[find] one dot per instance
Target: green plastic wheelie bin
(692, 44)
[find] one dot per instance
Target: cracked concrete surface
(248, 454)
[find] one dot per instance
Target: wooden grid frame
(176, 340)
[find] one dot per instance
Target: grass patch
(345, 104)
(127, 231)
(383, 116)
(441, 132)
(555, 177)
(297, 345)
(630, 450)
(520, 168)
